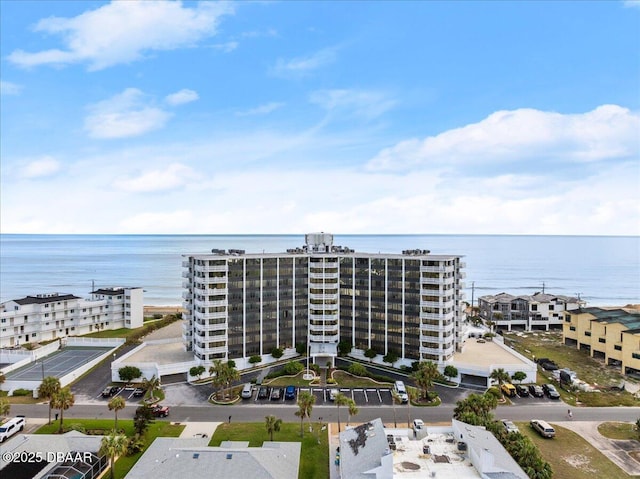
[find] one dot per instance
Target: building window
(617, 347)
(534, 307)
(551, 307)
(587, 333)
(602, 340)
(572, 328)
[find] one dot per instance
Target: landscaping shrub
(22, 392)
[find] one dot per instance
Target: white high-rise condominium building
(240, 305)
(44, 317)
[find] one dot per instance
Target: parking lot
(361, 396)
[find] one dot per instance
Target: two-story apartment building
(44, 317)
(240, 305)
(611, 334)
(528, 312)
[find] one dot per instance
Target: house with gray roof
(171, 458)
(536, 311)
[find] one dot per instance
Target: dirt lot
(541, 344)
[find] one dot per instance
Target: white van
(11, 427)
(402, 391)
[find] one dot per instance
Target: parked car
(418, 424)
(536, 391)
(290, 392)
(247, 391)
(263, 392)
(508, 390)
(160, 411)
(509, 426)
(522, 390)
(551, 391)
(543, 428)
(332, 394)
(138, 392)
(11, 427)
(276, 394)
(110, 391)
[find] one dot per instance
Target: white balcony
(323, 330)
(205, 326)
(430, 350)
(185, 263)
(430, 304)
(211, 269)
(329, 297)
(209, 304)
(323, 339)
(186, 273)
(206, 351)
(323, 275)
(437, 269)
(324, 317)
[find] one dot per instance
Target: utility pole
(473, 290)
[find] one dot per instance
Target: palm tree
(353, 409)
(2, 378)
(151, 385)
(306, 400)
(218, 380)
(231, 374)
(5, 407)
(48, 387)
(272, 424)
(396, 400)
(501, 376)
(113, 445)
(116, 404)
(424, 376)
(63, 400)
(340, 400)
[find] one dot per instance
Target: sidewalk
(193, 429)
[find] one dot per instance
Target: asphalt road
(329, 413)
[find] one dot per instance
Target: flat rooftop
(443, 459)
(485, 354)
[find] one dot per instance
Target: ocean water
(603, 270)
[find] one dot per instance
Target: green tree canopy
(63, 400)
(129, 373)
(450, 371)
(358, 369)
(116, 404)
(272, 425)
(48, 387)
(113, 445)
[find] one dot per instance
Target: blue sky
(351, 117)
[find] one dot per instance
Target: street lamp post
(42, 364)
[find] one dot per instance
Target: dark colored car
(138, 393)
(110, 391)
(276, 394)
(551, 391)
(536, 390)
(290, 392)
(160, 411)
(263, 392)
(522, 390)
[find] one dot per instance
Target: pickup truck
(160, 411)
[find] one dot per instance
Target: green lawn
(314, 457)
(619, 430)
(104, 426)
(346, 380)
(112, 333)
(571, 457)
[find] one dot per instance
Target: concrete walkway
(616, 450)
(192, 429)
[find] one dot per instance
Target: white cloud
(172, 177)
(264, 109)
(181, 97)
(226, 47)
(632, 3)
(156, 222)
(607, 132)
(303, 65)
(40, 168)
(361, 103)
(124, 115)
(124, 31)
(8, 88)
